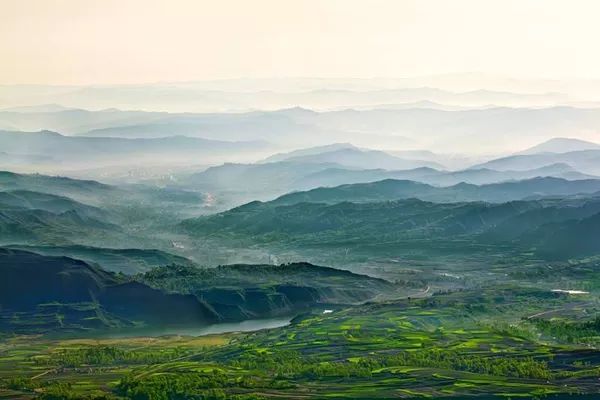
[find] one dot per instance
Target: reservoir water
(225, 327)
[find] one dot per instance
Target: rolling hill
(69, 295)
(108, 197)
(126, 261)
(28, 226)
(33, 217)
(41, 293)
(87, 191)
(48, 210)
(243, 291)
(394, 228)
(574, 238)
(391, 189)
(24, 199)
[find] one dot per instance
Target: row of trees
(292, 365)
(109, 355)
(571, 332)
(185, 386)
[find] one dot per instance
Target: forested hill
(392, 189)
(41, 293)
(410, 225)
(45, 293)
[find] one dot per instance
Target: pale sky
(140, 41)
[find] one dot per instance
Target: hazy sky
(137, 41)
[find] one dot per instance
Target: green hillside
(408, 226)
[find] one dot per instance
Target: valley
(429, 243)
(389, 288)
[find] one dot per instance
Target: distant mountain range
(339, 176)
(41, 108)
(585, 161)
(311, 169)
(309, 151)
(458, 131)
(56, 150)
(218, 97)
(561, 145)
(351, 157)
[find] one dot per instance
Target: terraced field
(442, 346)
